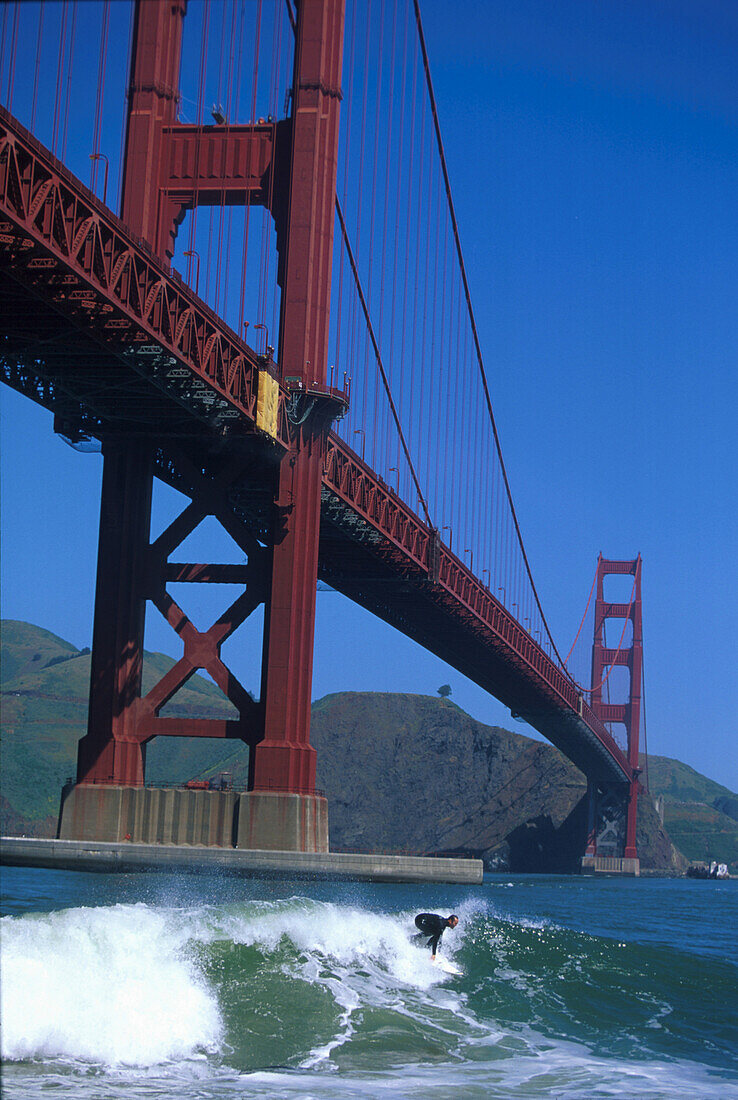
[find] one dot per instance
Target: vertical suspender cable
(380, 364)
(69, 81)
(38, 63)
(127, 78)
(254, 83)
(380, 415)
(467, 293)
(59, 79)
(199, 122)
(414, 344)
(13, 45)
(643, 712)
(101, 69)
(378, 114)
(2, 40)
(346, 120)
(404, 320)
(397, 344)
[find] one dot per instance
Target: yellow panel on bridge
(267, 404)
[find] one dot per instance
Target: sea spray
(108, 985)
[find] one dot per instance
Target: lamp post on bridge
(190, 253)
(101, 156)
(362, 433)
(265, 330)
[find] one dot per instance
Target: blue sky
(592, 149)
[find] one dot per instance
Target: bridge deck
(97, 329)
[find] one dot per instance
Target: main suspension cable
(380, 364)
(480, 361)
(584, 616)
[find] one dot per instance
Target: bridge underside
(368, 573)
(119, 348)
(95, 391)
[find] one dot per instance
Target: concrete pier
(103, 827)
(222, 819)
(126, 856)
(611, 865)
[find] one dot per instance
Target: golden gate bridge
(279, 325)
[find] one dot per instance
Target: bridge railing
(56, 229)
(386, 515)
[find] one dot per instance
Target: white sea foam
(108, 985)
(347, 937)
(364, 959)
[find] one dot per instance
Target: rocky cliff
(416, 773)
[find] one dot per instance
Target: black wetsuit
(433, 926)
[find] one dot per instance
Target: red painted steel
(36, 251)
(410, 542)
(60, 241)
(153, 95)
(630, 657)
(118, 639)
(60, 245)
(216, 166)
(285, 755)
(111, 749)
(32, 238)
(120, 598)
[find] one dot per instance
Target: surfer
(433, 925)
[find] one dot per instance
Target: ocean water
(146, 986)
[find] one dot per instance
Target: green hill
(701, 832)
(29, 649)
(678, 782)
(45, 685)
(701, 816)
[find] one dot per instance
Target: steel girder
(61, 244)
(67, 255)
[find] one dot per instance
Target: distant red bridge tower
(613, 813)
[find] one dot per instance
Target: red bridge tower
(162, 178)
(613, 807)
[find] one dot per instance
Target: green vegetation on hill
(701, 816)
(678, 782)
(701, 832)
(727, 804)
(25, 648)
(45, 685)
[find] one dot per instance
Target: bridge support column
(302, 203)
(591, 848)
(285, 760)
(610, 809)
(110, 751)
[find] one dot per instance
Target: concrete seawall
(90, 855)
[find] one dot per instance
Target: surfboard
(447, 966)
